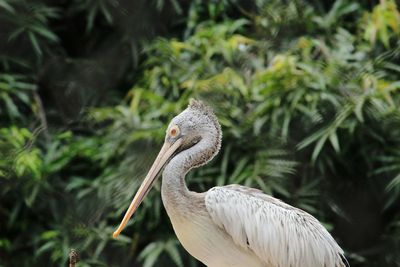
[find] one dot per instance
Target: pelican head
(196, 126)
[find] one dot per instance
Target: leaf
(15, 34)
(334, 141)
(11, 107)
(7, 6)
(394, 183)
(177, 7)
(47, 235)
(150, 254)
(173, 252)
(278, 187)
(35, 43)
(239, 167)
(311, 139)
(100, 247)
(40, 29)
(106, 13)
(285, 126)
(30, 199)
(46, 247)
(358, 110)
(318, 147)
(90, 18)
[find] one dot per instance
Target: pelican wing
(279, 234)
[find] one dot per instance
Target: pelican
(234, 225)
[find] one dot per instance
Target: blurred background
(307, 93)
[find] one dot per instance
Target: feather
(279, 234)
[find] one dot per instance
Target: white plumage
(279, 234)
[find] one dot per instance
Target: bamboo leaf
(318, 147)
(15, 34)
(334, 141)
(35, 44)
(394, 183)
(40, 29)
(173, 252)
(5, 5)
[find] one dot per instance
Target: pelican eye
(174, 131)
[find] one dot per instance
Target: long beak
(165, 153)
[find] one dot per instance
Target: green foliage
(20, 159)
(339, 9)
(95, 9)
(32, 22)
(307, 96)
(15, 92)
(382, 23)
(151, 252)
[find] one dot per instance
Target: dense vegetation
(307, 93)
